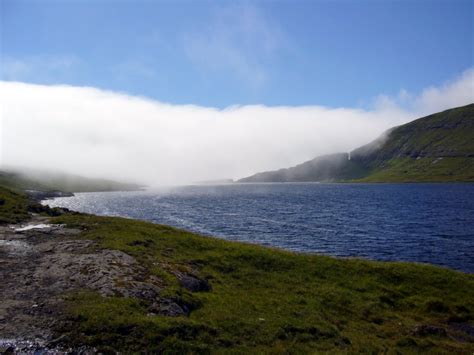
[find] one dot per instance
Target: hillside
(323, 168)
(27, 179)
(102, 284)
(436, 148)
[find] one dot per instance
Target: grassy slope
(332, 167)
(448, 133)
(43, 181)
(438, 147)
(266, 300)
(13, 206)
(408, 153)
(447, 169)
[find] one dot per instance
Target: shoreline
(297, 250)
(106, 284)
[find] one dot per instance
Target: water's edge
(428, 223)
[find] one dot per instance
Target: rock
(34, 282)
(194, 284)
(143, 290)
(43, 195)
(168, 307)
(57, 341)
(464, 327)
(8, 350)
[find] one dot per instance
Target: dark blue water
(431, 223)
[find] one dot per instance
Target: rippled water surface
(432, 223)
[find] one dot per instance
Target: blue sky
(222, 53)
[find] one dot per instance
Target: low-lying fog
(98, 133)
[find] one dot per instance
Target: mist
(97, 133)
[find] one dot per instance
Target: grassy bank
(16, 206)
(13, 206)
(261, 300)
(266, 300)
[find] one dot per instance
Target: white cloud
(105, 134)
(453, 93)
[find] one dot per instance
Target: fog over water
(97, 133)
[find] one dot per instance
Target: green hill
(324, 168)
(27, 179)
(436, 148)
(13, 206)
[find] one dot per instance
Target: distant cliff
(436, 148)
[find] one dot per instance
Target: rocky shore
(41, 262)
(34, 272)
(39, 196)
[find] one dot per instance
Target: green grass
(436, 148)
(269, 301)
(13, 206)
(449, 133)
(447, 169)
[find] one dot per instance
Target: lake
(430, 223)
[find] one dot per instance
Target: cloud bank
(100, 133)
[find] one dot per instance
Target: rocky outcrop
(44, 195)
(40, 263)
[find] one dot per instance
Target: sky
(167, 92)
(220, 53)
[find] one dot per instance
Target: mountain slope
(324, 168)
(436, 148)
(27, 179)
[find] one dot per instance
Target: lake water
(431, 223)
